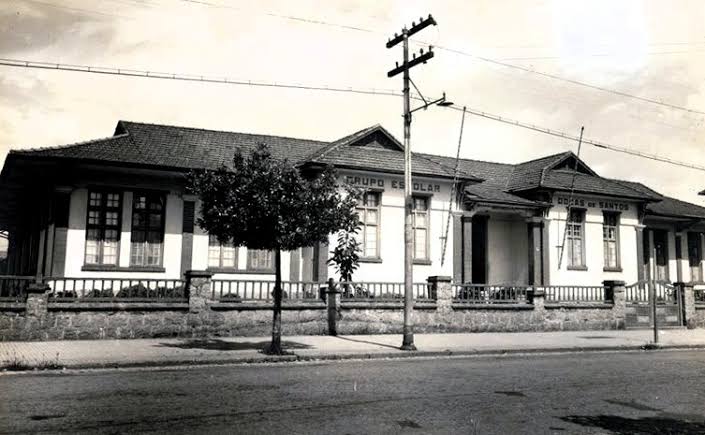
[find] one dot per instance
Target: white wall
(391, 269)
(594, 255)
(76, 239)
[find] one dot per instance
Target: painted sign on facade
(591, 203)
(394, 183)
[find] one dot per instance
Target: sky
(651, 49)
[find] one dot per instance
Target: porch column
(702, 254)
(535, 251)
(457, 248)
(188, 224)
(467, 248)
(680, 238)
(62, 207)
(651, 263)
(546, 276)
(639, 252)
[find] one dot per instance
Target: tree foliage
(264, 203)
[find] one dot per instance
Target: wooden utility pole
(408, 340)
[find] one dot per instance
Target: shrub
(95, 293)
(64, 294)
(231, 297)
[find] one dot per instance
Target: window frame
(618, 256)
(361, 209)
(101, 226)
(427, 249)
(252, 269)
(220, 246)
(147, 229)
(569, 238)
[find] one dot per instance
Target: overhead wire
(475, 56)
(368, 91)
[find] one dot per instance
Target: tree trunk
(275, 348)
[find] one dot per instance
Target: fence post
(37, 299)
(198, 289)
(442, 292)
(333, 307)
(616, 292)
(688, 303)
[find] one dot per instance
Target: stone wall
(42, 319)
(699, 317)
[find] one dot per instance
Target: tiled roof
(343, 153)
(176, 147)
(528, 175)
(667, 206)
(495, 176)
(185, 148)
(563, 180)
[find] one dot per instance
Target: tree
(345, 256)
(265, 203)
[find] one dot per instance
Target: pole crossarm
(415, 28)
(423, 58)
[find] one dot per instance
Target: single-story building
(117, 207)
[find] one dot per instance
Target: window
(610, 240)
(221, 254)
(576, 239)
(420, 226)
(368, 210)
(695, 256)
(147, 229)
(259, 259)
(103, 228)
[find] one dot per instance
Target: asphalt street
(654, 392)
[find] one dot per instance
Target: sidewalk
(170, 351)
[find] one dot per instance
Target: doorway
(479, 249)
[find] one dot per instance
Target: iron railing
(639, 292)
(575, 293)
(382, 291)
(14, 288)
(115, 289)
(259, 290)
(491, 294)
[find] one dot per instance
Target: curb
(362, 356)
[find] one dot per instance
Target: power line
(567, 80)
(570, 137)
(368, 91)
(474, 56)
(187, 77)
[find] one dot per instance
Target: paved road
(648, 392)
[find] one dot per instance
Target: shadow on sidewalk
(217, 344)
(367, 342)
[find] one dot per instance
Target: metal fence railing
(112, 289)
(14, 288)
(382, 291)
(259, 290)
(491, 294)
(639, 292)
(574, 293)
